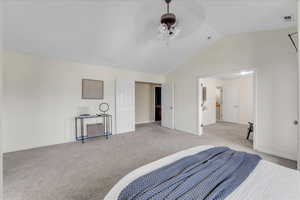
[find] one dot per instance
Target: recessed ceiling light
(243, 73)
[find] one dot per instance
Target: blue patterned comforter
(209, 175)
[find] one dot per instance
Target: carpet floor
(87, 172)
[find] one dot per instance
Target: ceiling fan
(168, 23)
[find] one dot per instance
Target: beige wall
(1, 129)
(274, 58)
(299, 83)
(144, 103)
(1, 107)
(42, 96)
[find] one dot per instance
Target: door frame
(255, 104)
(153, 85)
(199, 105)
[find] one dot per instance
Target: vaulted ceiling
(124, 33)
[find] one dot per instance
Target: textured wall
(275, 59)
(144, 103)
(42, 97)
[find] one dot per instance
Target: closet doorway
(157, 109)
(147, 103)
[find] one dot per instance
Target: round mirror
(104, 107)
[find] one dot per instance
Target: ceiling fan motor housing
(169, 19)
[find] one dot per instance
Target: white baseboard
(34, 146)
(145, 122)
(275, 153)
(239, 123)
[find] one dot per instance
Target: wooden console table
(107, 120)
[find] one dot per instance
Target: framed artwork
(92, 89)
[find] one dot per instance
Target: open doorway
(157, 110)
(147, 103)
(227, 106)
(219, 99)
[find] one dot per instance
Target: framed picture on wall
(92, 89)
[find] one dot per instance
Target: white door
(281, 85)
(167, 103)
(125, 106)
(231, 104)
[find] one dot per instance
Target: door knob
(296, 122)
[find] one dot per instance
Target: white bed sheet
(267, 182)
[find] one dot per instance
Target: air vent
(288, 18)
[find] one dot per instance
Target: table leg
(110, 127)
(76, 129)
(105, 127)
(82, 130)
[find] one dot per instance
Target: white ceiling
(124, 33)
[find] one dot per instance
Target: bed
(267, 181)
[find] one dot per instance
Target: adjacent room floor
(87, 172)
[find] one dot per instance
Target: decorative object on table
(107, 121)
(92, 89)
(104, 107)
(84, 115)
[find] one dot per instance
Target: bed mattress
(268, 181)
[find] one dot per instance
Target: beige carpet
(87, 172)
